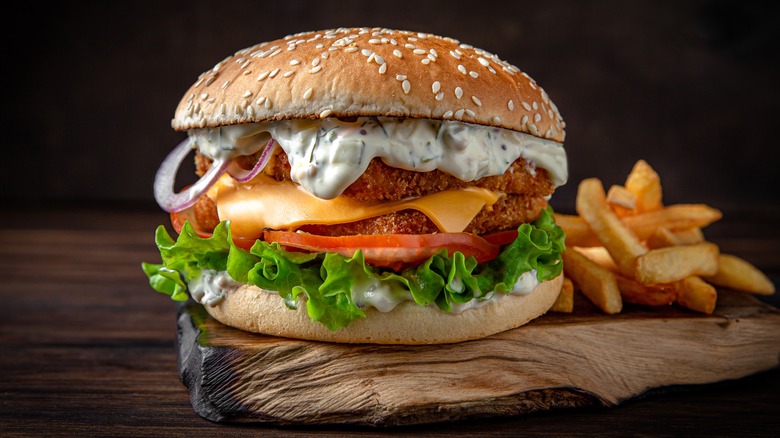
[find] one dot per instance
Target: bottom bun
(253, 309)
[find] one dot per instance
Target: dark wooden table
(88, 349)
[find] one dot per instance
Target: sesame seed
(315, 62)
(492, 70)
(535, 105)
(267, 104)
(324, 55)
(351, 49)
(260, 100)
(426, 61)
(537, 118)
(447, 115)
(250, 111)
(534, 129)
(366, 52)
(400, 77)
(511, 105)
(473, 74)
(295, 62)
(211, 100)
(434, 52)
(247, 93)
(458, 92)
(406, 85)
(393, 42)
(315, 69)
(246, 72)
(274, 73)
(532, 85)
(237, 109)
(483, 61)
(524, 120)
(263, 75)
(275, 52)
(432, 57)
(440, 96)
(319, 46)
(378, 59)
(435, 87)
(461, 69)
(374, 41)
(288, 74)
(398, 53)
(419, 51)
(371, 57)
(526, 106)
(454, 55)
(382, 68)
(459, 113)
(409, 46)
(496, 119)
(205, 96)
(225, 84)
(325, 113)
(476, 100)
(470, 113)
(210, 80)
(222, 109)
(307, 93)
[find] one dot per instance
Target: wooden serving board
(558, 360)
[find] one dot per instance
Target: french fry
(695, 294)
(565, 301)
(622, 244)
(736, 273)
(577, 231)
(664, 237)
(646, 294)
(597, 283)
(689, 236)
(673, 217)
(666, 265)
(621, 200)
(645, 183)
(599, 255)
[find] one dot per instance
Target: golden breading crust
(519, 179)
(525, 190)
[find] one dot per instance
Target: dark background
(690, 86)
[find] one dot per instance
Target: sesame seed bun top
(368, 72)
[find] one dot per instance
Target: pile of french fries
(626, 246)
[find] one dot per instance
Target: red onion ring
(166, 177)
(242, 175)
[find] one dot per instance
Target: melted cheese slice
(267, 203)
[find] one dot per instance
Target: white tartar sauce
(327, 155)
(211, 287)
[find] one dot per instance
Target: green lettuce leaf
(326, 281)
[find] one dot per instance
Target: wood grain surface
(556, 361)
(88, 349)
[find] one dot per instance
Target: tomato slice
(501, 238)
(394, 251)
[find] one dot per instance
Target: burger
(365, 185)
